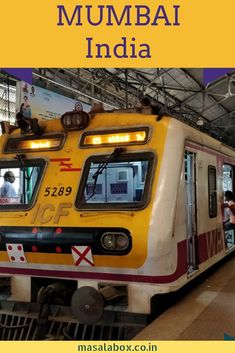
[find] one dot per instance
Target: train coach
(110, 212)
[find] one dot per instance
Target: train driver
(7, 190)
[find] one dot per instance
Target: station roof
(179, 92)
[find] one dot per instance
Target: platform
(205, 313)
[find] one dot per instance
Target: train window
(19, 181)
(122, 182)
(212, 191)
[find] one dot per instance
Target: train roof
(124, 118)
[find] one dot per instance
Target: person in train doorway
(7, 190)
(230, 204)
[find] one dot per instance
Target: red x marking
(82, 256)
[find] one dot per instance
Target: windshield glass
(19, 181)
(121, 183)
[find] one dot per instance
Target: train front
(76, 228)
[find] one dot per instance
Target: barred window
(7, 103)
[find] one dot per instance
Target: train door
(190, 189)
(228, 185)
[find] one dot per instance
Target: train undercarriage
(49, 317)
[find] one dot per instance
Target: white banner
(37, 102)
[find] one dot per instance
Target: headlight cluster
(115, 241)
(75, 120)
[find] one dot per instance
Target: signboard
(36, 102)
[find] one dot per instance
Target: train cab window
(19, 181)
(212, 191)
(122, 182)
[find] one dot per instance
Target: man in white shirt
(7, 189)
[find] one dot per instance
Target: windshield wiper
(102, 166)
(26, 178)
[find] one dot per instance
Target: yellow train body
(64, 169)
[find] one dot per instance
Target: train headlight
(115, 241)
(76, 120)
(108, 241)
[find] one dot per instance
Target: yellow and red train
(122, 207)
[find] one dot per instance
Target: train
(113, 209)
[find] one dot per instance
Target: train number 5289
(57, 191)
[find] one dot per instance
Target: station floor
(207, 312)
